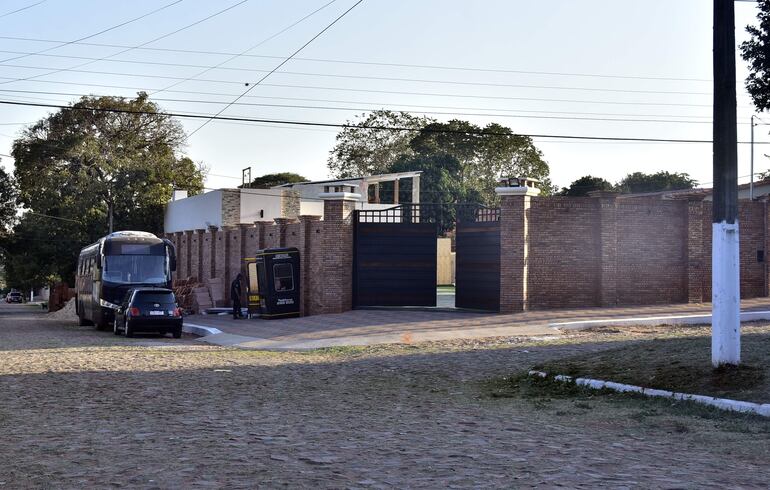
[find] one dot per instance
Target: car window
(152, 297)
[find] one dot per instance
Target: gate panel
(395, 264)
(477, 275)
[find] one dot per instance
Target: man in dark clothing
(235, 295)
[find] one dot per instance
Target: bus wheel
(115, 327)
(127, 330)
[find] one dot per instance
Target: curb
(746, 316)
(199, 330)
(762, 409)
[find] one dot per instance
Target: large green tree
(756, 51)
(639, 182)
(484, 154)
(584, 185)
(366, 148)
(103, 162)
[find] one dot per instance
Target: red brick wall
(581, 252)
(652, 252)
(564, 245)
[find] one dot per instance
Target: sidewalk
(369, 327)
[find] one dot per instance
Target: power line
(244, 52)
(353, 126)
(372, 63)
(329, 75)
(279, 65)
(66, 43)
(74, 68)
(21, 9)
(390, 92)
(635, 117)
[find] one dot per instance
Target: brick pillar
(188, 235)
(212, 263)
(281, 224)
(608, 240)
(197, 259)
(310, 266)
(231, 240)
(178, 246)
(514, 246)
(336, 295)
(262, 227)
(695, 251)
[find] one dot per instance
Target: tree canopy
(756, 51)
(475, 157)
(364, 148)
(640, 182)
(584, 185)
(101, 159)
(271, 180)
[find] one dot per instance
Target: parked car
(148, 310)
(14, 297)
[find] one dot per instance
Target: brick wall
(602, 251)
(216, 255)
(231, 207)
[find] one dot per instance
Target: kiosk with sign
(273, 283)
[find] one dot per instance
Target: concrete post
(514, 246)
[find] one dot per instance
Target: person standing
(235, 296)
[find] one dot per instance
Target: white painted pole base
(725, 295)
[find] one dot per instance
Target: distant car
(148, 310)
(14, 297)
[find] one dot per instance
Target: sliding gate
(395, 256)
(477, 258)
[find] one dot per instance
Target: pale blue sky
(611, 38)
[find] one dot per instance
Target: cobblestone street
(81, 408)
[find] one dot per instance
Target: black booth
(273, 283)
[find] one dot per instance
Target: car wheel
(177, 333)
(115, 327)
(127, 330)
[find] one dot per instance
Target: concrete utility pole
(725, 272)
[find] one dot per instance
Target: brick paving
(85, 409)
(368, 327)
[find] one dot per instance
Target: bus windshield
(135, 269)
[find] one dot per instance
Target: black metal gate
(395, 256)
(477, 269)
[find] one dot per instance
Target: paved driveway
(369, 327)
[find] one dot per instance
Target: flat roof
(351, 179)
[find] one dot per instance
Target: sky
(611, 68)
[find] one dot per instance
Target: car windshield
(135, 269)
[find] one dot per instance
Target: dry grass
(680, 364)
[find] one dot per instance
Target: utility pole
(725, 272)
(751, 182)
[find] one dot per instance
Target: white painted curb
(746, 316)
(762, 409)
(199, 329)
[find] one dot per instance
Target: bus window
(253, 279)
(284, 277)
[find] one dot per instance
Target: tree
(102, 163)
(484, 154)
(364, 148)
(639, 182)
(8, 195)
(272, 180)
(584, 185)
(756, 51)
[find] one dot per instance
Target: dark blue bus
(107, 269)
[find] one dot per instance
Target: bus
(114, 264)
